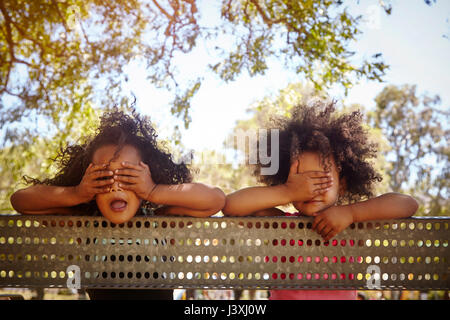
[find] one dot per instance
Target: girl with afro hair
(324, 172)
(118, 172)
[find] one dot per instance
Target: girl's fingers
(144, 165)
(130, 186)
(322, 180)
(323, 186)
(127, 179)
(324, 175)
(101, 190)
(319, 225)
(294, 168)
(318, 192)
(330, 235)
(101, 183)
(126, 164)
(95, 167)
(127, 172)
(101, 174)
(317, 220)
(89, 167)
(325, 231)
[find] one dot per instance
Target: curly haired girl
(119, 171)
(324, 172)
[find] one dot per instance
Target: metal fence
(249, 252)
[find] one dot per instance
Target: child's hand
(307, 185)
(94, 181)
(136, 178)
(329, 222)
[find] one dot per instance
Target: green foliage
(418, 132)
(34, 158)
(305, 34)
(57, 54)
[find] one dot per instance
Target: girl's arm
(387, 206)
(298, 187)
(333, 220)
(251, 200)
(192, 199)
(45, 199)
(271, 212)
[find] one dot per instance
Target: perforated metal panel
(251, 252)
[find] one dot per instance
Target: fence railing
(249, 252)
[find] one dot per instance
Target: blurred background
(201, 70)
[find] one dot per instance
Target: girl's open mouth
(118, 205)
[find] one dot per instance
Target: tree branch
(9, 40)
(163, 11)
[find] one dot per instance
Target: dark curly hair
(118, 128)
(317, 128)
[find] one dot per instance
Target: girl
(324, 173)
(119, 172)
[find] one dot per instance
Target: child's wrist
(287, 194)
(75, 196)
(350, 209)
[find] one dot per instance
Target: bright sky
(411, 40)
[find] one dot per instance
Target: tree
(57, 54)
(418, 132)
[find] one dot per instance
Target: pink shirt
(312, 294)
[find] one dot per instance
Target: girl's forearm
(191, 196)
(183, 211)
(43, 199)
(249, 200)
(386, 206)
